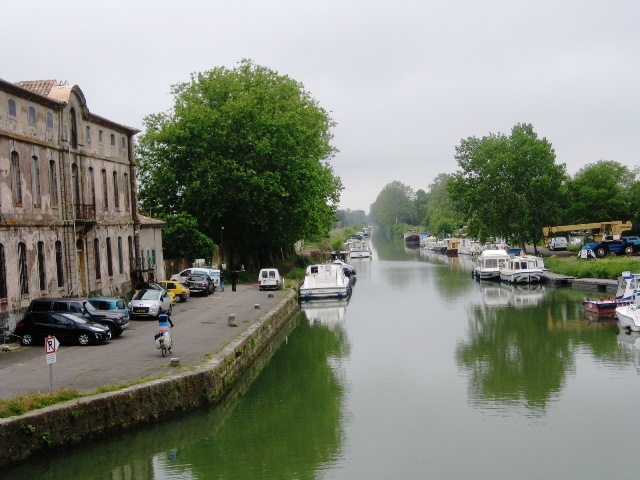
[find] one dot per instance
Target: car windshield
(147, 295)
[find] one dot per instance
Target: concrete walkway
(201, 330)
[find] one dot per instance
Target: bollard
(270, 295)
(257, 306)
(175, 362)
(231, 320)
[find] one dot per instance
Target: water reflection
(328, 313)
(496, 294)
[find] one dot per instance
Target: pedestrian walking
(234, 280)
(221, 281)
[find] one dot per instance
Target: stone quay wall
(89, 418)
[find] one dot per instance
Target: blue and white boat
(325, 280)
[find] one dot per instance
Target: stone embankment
(89, 418)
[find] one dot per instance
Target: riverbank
(92, 417)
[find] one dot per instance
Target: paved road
(201, 328)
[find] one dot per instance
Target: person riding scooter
(162, 336)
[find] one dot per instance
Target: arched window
(105, 193)
(96, 258)
(11, 106)
(113, 140)
(3, 273)
(75, 186)
(35, 180)
(87, 135)
(120, 257)
(41, 267)
(59, 264)
(116, 191)
(31, 116)
(127, 192)
(92, 187)
(109, 258)
(16, 185)
(74, 128)
(49, 121)
(53, 183)
(22, 269)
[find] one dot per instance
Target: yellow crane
(607, 230)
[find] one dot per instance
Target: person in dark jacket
(234, 280)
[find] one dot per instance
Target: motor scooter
(163, 341)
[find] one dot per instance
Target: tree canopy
(395, 204)
(181, 238)
(440, 213)
(509, 187)
(245, 149)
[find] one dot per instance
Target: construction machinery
(607, 240)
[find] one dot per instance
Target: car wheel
(628, 249)
(83, 339)
(26, 339)
(114, 332)
(600, 252)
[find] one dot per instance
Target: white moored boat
(521, 269)
(629, 316)
(489, 263)
(325, 281)
(359, 249)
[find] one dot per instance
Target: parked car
(199, 283)
(112, 304)
(116, 321)
(558, 243)
(184, 274)
(180, 290)
(269, 278)
(66, 327)
(150, 303)
(154, 286)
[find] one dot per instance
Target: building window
(59, 264)
(35, 180)
(74, 128)
(49, 121)
(31, 116)
(120, 257)
(116, 191)
(127, 193)
(132, 254)
(100, 136)
(11, 106)
(22, 269)
(53, 183)
(92, 187)
(105, 193)
(88, 133)
(109, 258)
(96, 258)
(113, 140)
(41, 266)
(16, 186)
(123, 143)
(3, 273)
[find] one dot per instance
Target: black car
(115, 321)
(199, 284)
(66, 327)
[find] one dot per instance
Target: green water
(426, 373)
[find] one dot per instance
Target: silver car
(150, 303)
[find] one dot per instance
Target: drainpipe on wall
(134, 209)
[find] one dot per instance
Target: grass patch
(34, 401)
(609, 267)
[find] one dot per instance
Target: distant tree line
(510, 186)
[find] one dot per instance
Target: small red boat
(604, 307)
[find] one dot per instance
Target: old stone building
(68, 221)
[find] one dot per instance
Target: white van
(269, 278)
(558, 243)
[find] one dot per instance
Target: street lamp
(221, 250)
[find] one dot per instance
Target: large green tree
(181, 238)
(395, 204)
(602, 191)
(509, 186)
(246, 149)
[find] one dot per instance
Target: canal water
(424, 374)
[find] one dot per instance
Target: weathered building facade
(68, 220)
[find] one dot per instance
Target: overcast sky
(404, 80)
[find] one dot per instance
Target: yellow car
(176, 288)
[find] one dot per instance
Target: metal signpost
(51, 345)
